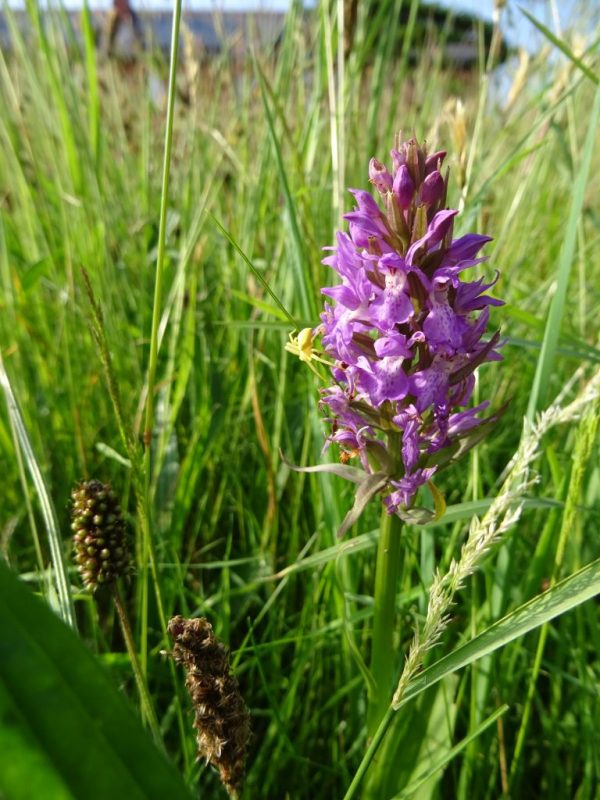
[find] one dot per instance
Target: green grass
(260, 155)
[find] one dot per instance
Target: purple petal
(383, 380)
(434, 161)
(410, 444)
(406, 488)
(342, 294)
(437, 229)
(366, 223)
(469, 296)
(366, 203)
(466, 247)
(430, 385)
(398, 159)
(465, 420)
(359, 237)
(394, 345)
(393, 306)
(442, 327)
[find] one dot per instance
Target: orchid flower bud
(403, 187)
(379, 176)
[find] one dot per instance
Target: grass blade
(545, 364)
(561, 45)
(257, 274)
(63, 589)
(413, 787)
(303, 281)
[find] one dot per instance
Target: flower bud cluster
(101, 551)
(406, 332)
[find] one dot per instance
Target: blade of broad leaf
(63, 588)
(21, 756)
(417, 515)
(567, 594)
(439, 501)
(418, 736)
(439, 734)
(345, 471)
(65, 712)
(553, 323)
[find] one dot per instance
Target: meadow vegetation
(262, 153)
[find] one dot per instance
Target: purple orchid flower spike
(404, 336)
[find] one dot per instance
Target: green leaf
(567, 594)
(367, 489)
(417, 738)
(63, 725)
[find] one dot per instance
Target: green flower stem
(370, 754)
(145, 700)
(382, 647)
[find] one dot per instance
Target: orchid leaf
(353, 474)
(369, 487)
(439, 501)
(418, 515)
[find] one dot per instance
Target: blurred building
(122, 32)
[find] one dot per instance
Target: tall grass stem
(162, 235)
(145, 699)
(61, 578)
